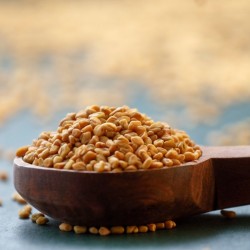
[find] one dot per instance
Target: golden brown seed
(42, 220)
(93, 230)
(172, 154)
(229, 214)
(130, 229)
(89, 156)
(54, 149)
(80, 229)
(48, 162)
(22, 151)
(1, 202)
(156, 164)
(137, 140)
(160, 225)
(65, 227)
(169, 224)
(59, 165)
(152, 227)
(117, 230)
(85, 137)
(147, 163)
(103, 231)
(167, 162)
(29, 158)
(35, 216)
(3, 175)
(17, 197)
(24, 213)
(64, 150)
(79, 166)
(76, 132)
(189, 156)
(69, 164)
(143, 229)
(57, 159)
(99, 166)
(158, 156)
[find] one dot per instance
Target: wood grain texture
(141, 197)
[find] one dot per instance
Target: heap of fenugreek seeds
(110, 139)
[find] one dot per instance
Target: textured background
(183, 62)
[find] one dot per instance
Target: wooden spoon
(219, 179)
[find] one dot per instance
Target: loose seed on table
(80, 229)
(18, 198)
(35, 216)
(169, 224)
(65, 227)
(42, 220)
(3, 175)
(25, 212)
(103, 231)
(229, 214)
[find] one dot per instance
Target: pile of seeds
(110, 139)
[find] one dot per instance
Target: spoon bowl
(138, 197)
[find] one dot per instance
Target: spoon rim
(18, 161)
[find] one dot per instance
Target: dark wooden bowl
(140, 197)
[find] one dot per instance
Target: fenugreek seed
(158, 156)
(143, 229)
(152, 227)
(176, 162)
(57, 159)
(147, 163)
(189, 156)
(229, 214)
(54, 149)
(131, 168)
(48, 162)
(130, 229)
(59, 165)
(17, 197)
(35, 216)
(160, 225)
(117, 230)
(42, 220)
(29, 158)
(93, 230)
(3, 175)
(65, 227)
(156, 164)
(79, 165)
(24, 213)
(167, 162)
(99, 166)
(22, 151)
(64, 150)
(89, 156)
(103, 231)
(172, 154)
(69, 164)
(133, 125)
(137, 140)
(80, 229)
(158, 143)
(85, 137)
(76, 132)
(169, 224)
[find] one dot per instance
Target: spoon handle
(231, 166)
